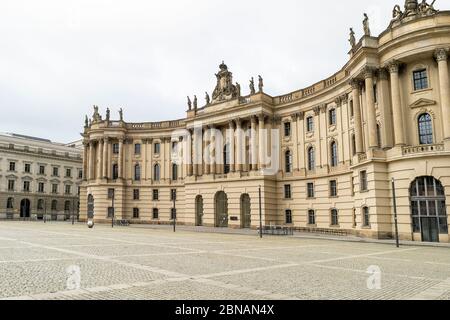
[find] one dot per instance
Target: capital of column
(253, 119)
(344, 98)
(261, 118)
(368, 72)
(355, 83)
(441, 54)
(238, 122)
(338, 101)
(383, 74)
(231, 124)
(393, 66)
(316, 110)
(323, 107)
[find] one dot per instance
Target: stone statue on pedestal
(252, 86)
(108, 114)
(121, 114)
(189, 103)
(195, 102)
(260, 84)
(225, 90)
(238, 89)
(207, 98)
(366, 25)
(352, 39)
(96, 117)
(86, 122)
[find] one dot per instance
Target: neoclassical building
(324, 156)
(39, 178)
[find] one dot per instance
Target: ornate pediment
(422, 103)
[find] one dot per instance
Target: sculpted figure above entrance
(225, 89)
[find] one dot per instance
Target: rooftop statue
(96, 117)
(252, 86)
(260, 84)
(195, 102)
(108, 114)
(225, 90)
(86, 122)
(121, 114)
(412, 10)
(366, 25)
(427, 9)
(352, 39)
(189, 103)
(207, 98)
(238, 89)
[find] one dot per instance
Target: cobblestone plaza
(36, 260)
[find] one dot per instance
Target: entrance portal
(25, 206)
(221, 210)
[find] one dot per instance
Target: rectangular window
(110, 193)
(68, 189)
(173, 194)
(366, 217)
(352, 112)
(55, 171)
(309, 124)
(68, 173)
(26, 186)
(41, 187)
(363, 180)
(115, 148)
(333, 188)
(310, 190)
(27, 168)
(80, 174)
(287, 191)
(157, 148)
(11, 185)
(135, 213)
(110, 212)
(115, 172)
(137, 149)
(334, 217)
(311, 217)
(155, 213)
(287, 129)
(54, 188)
(12, 166)
(420, 78)
(173, 213)
(332, 117)
(288, 214)
(155, 194)
(42, 170)
(136, 194)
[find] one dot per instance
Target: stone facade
(385, 115)
(38, 178)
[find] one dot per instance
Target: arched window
(334, 217)
(311, 159)
(137, 172)
(334, 154)
(425, 129)
(311, 217)
(54, 205)
(366, 217)
(10, 203)
(226, 159)
(174, 171)
(288, 160)
(156, 173)
(40, 204)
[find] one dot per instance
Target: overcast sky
(58, 58)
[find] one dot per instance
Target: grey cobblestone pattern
(142, 263)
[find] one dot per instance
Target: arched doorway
(246, 215)
(25, 206)
(428, 208)
(221, 210)
(199, 211)
(90, 207)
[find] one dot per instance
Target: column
(301, 133)
(356, 86)
(120, 160)
(207, 151)
(105, 159)
(213, 151)
(188, 157)
(195, 152)
(85, 160)
(239, 146)
(384, 103)
(144, 159)
(294, 133)
(232, 147)
(396, 105)
(262, 142)
(371, 113)
(444, 88)
(91, 160)
(253, 150)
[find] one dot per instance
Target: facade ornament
(189, 103)
(441, 54)
(366, 25)
(108, 114)
(96, 117)
(225, 90)
(355, 83)
(195, 102)
(368, 72)
(344, 98)
(207, 98)
(393, 66)
(121, 114)
(260, 84)
(352, 39)
(238, 89)
(316, 110)
(323, 108)
(412, 10)
(397, 13)
(338, 101)
(252, 86)
(426, 9)
(90, 122)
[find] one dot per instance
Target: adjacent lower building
(325, 157)
(39, 178)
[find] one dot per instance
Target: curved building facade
(324, 156)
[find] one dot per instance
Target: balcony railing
(423, 149)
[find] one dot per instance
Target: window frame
(419, 80)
